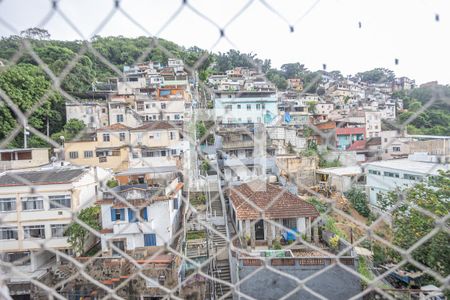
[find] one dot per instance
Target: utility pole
(25, 134)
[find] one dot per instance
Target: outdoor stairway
(222, 271)
(196, 250)
(219, 242)
(62, 272)
(216, 205)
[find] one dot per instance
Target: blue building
(233, 107)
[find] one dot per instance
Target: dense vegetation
(358, 199)
(434, 119)
(77, 235)
(413, 221)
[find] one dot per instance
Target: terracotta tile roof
(326, 125)
(357, 145)
(350, 130)
(157, 125)
(114, 127)
(272, 199)
(375, 141)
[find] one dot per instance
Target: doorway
(259, 230)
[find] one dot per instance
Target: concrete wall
(39, 157)
(432, 147)
(301, 169)
(347, 158)
(94, 115)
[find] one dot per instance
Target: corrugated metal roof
(52, 176)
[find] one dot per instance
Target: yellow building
(109, 150)
(119, 147)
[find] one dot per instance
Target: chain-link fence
(188, 183)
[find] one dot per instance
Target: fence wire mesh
(205, 235)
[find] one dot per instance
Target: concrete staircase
(216, 205)
(219, 242)
(222, 271)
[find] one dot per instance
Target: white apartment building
(324, 108)
(148, 216)
(373, 123)
(168, 110)
(36, 207)
(131, 85)
(93, 114)
(389, 175)
(176, 64)
(122, 112)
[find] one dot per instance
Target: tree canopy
(26, 85)
(411, 225)
(377, 75)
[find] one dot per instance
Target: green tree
(410, 224)
(112, 183)
(201, 131)
(358, 199)
(35, 33)
(311, 81)
(311, 106)
(276, 77)
(70, 130)
(234, 58)
(293, 70)
(336, 75)
(378, 75)
(77, 234)
(205, 166)
(25, 85)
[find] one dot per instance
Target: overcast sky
(325, 32)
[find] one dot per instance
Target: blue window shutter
(130, 215)
(122, 214)
(113, 214)
(150, 239)
(145, 214)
